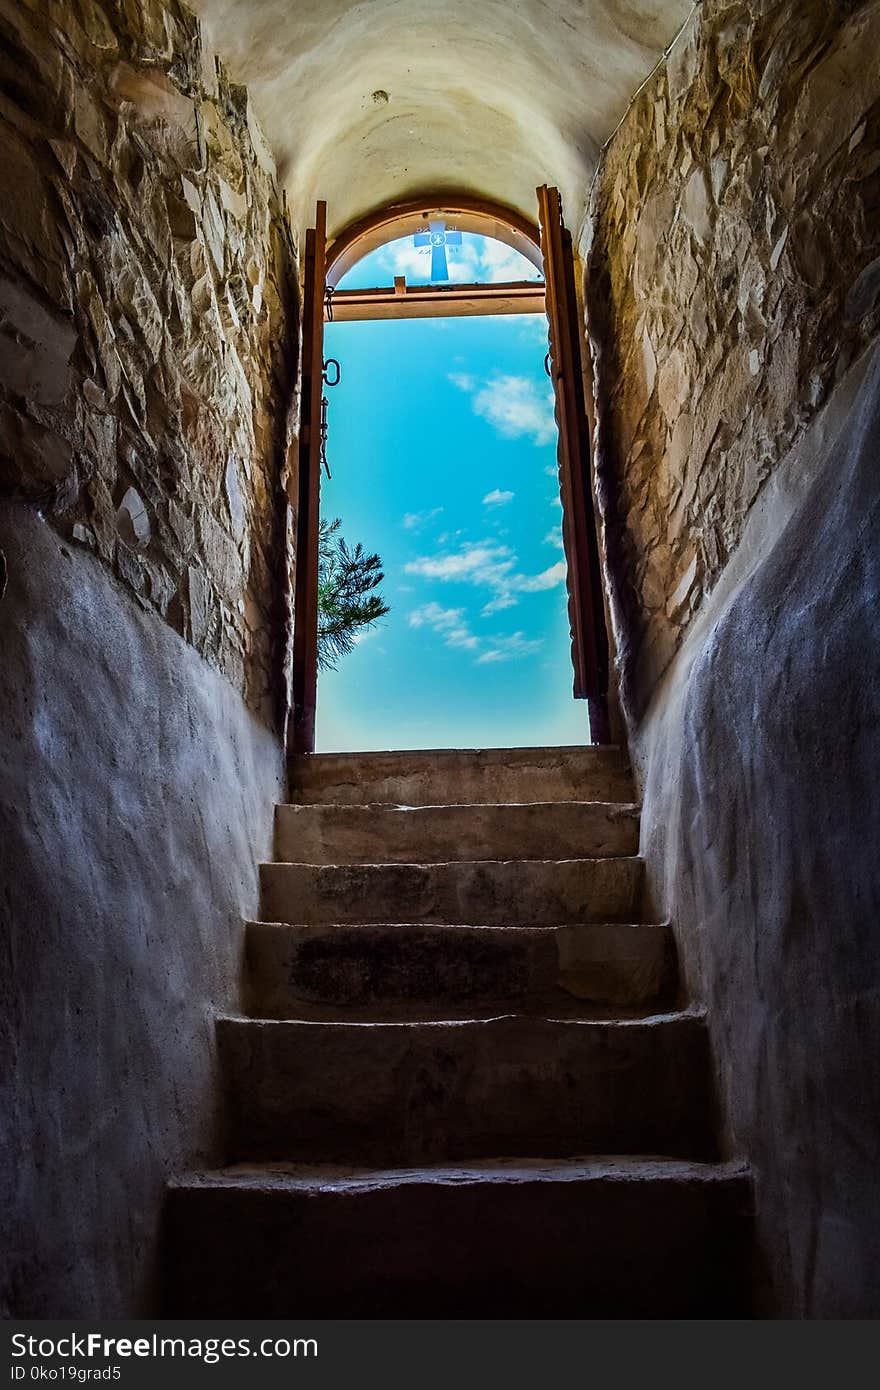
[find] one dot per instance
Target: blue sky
(477, 258)
(442, 446)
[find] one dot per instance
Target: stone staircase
(464, 1085)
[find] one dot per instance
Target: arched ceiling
(373, 102)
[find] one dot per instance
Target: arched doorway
(468, 214)
(435, 225)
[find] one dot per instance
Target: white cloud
(483, 563)
(433, 615)
(476, 259)
(509, 648)
(547, 579)
(402, 258)
(497, 498)
(500, 262)
(462, 637)
(463, 380)
(449, 623)
(552, 470)
(533, 328)
(499, 603)
(515, 406)
(526, 584)
(415, 521)
(554, 537)
(486, 566)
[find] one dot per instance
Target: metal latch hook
(328, 381)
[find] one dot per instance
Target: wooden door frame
(586, 603)
(301, 726)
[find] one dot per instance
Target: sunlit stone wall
(147, 296)
(734, 275)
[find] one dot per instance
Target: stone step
(379, 834)
(400, 1093)
(587, 1238)
(463, 776)
(416, 970)
(504, 892)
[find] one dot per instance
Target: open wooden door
(301, 735)
(586, 608)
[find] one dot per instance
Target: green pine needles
(347, 602)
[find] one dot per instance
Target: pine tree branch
(346, 604)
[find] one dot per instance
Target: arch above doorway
(470, 214)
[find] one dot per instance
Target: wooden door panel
(586, 609)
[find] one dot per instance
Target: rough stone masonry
(734, 276)
(147, 298)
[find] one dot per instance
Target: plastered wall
(136, 799)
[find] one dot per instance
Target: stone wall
(147, 298)
(734, 274)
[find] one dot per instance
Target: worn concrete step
(588, 1238)
(379, 834)
(419, 970)
(504, 892)
(399, 1093)
(439, 776)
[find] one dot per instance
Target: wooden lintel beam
(432, 301)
